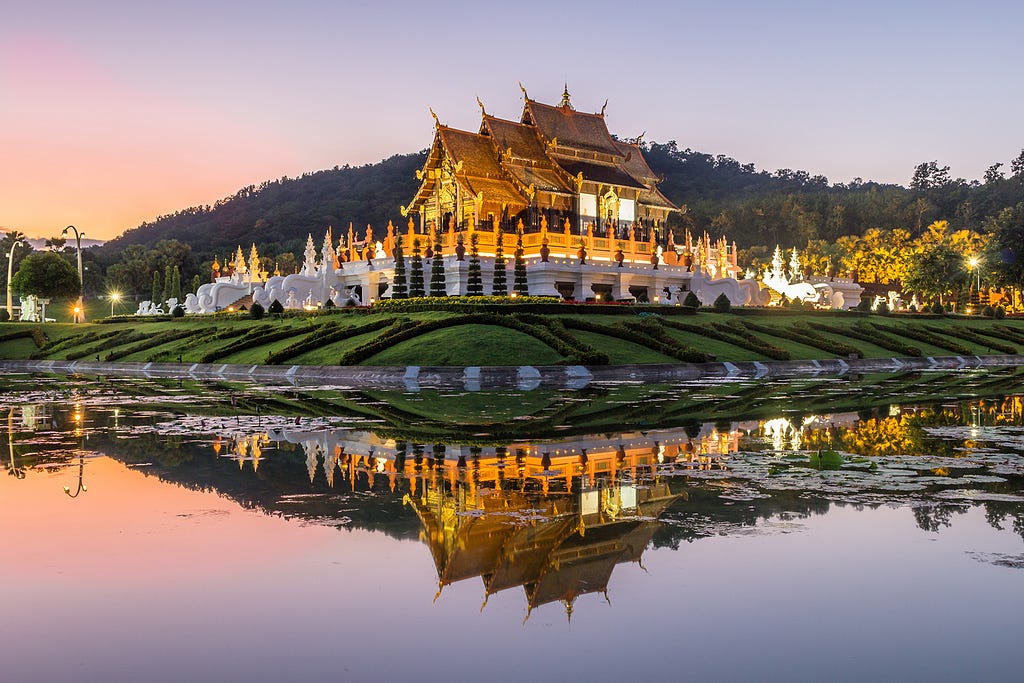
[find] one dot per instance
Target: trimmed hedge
(876, 338)
(747, 339)
(521, 304)
(151, 342)
(641, 333)
(923, 335)
(21, 334)
(1005, 332)
(327, 334)
(974, 337)
(807, 337)
(258, 336)
(724, 333)
(74, 340)
(111, 342)
(587, 354)
(135, 319)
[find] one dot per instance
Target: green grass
(469, 345)
(719, 349)
(478, 344)
(329, 354)
(620, 351)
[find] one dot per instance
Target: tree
(474, 278)
(993, 174)
(416, 271)
(1005, 251)
(691, 300)
(499, 286)
(131, 274)
(56, 244)
(519, 282)
(929, 176)
(1017, 165)
(437, 282)
(158, 289)
(167, 283)
(722, 304)
(196, 282)
(176, 284)
(399, 285)
(47, 275)
(936, 272)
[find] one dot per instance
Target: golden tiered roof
(522, 155)
(553, 149)
(568, 129)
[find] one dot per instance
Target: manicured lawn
(481, 344)
(469, 345)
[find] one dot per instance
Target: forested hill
(790, 207)
(284, 211)
(723, 197)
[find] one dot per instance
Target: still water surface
(820, 530)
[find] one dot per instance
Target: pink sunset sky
(112, 113)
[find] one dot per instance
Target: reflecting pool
(822, 529)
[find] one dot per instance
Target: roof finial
(436, 122)
(525, 96)
(565, 97)
(603, 107)
(482, 110)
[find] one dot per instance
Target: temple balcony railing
(559, 243)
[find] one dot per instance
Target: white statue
(29, 309)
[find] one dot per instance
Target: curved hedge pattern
(876, 338)
(974, 337)
(327, 334)
(408, 330)
(151, 342)
(643, 334)
(807, 337)
(922, 335)
(258, 336)
(724, 333)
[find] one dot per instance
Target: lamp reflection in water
(80, 433)
(14, 471)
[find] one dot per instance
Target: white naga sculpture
(822, 291)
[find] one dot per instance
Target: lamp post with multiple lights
(80, 306)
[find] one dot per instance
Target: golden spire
(565, 97)
(437, 123)
(483, 111)
(603, 107)
(525, 96)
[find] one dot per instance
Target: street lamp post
(114, 298)
(973, 262)
(80, 307)
(10, 272)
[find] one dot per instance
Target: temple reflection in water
(553, 516)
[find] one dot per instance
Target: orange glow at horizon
(79, 136)
(136, 526)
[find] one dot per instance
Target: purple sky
(112, 113)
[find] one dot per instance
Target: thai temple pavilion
(554, 165)
(584, 208)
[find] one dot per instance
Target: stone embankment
(522, 377)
